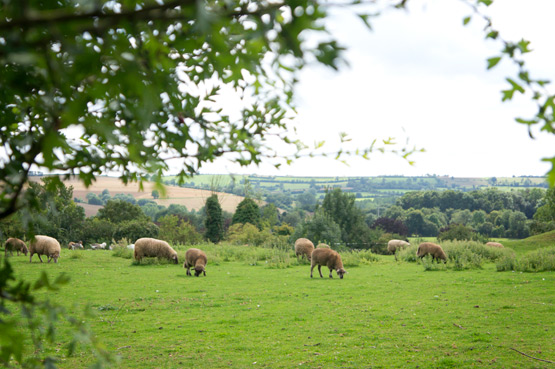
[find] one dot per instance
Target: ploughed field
(382, 315)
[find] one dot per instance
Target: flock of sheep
(143, 247)
(322, 255)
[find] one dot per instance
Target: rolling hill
(193, 199)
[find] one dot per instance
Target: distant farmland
(193, 199)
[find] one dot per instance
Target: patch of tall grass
(540, 260)
(276, 253)
(461, 255)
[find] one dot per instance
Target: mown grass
(383, 314)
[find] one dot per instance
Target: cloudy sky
(421, 78)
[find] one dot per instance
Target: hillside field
(193, 199)
(246, 313)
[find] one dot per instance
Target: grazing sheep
(15, 244)
(195, 258)
(433, 249)
(98, 246)
(151, 247)
(75, 245)
(304, 247)
(494, 244)
(323, 246)
(394, 245)
(329, 258)
(44, 245)
(131, 246)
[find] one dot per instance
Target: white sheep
(131, 246)
(151, 247)
(304, 248)
(329, 258)
(98, 246)
(494, 244)
(195, 258)
(394, 245)
(15, 244)
(44, 245)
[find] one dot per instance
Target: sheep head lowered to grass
(329, 258)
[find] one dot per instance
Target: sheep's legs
(311, 267)
(330, 273)
(320, 271)
(39, 258)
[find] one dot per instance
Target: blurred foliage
(25, 318)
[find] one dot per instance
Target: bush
(177, 230)
(431, 265)
(122, 252)
(408, 254)
(247, 234)
(135, 229)
(459, 232)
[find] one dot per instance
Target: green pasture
(248, 312)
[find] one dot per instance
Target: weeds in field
(357, 257)
(75, 254)
(540, 260)
(122, 252)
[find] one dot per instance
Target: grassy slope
(384, 315)
(532, 243)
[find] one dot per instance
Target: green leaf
(492, 62)
(527, 121)
(515, 85)
(365, 19)
(466, 20)
(551, 173)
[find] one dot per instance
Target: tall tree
(341, 208)
(117, 211)
(247, 212)
(213, 222)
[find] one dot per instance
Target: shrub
(135, 229)
(408, 254)
(177, 230)
(431, 265)
(247, 234)
(459, 232)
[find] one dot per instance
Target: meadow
(259, 308)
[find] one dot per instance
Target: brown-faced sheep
(494, 244)
(44, 245)
(75, 245)
(15, 244)
(304, 248)
(329, 258)
(394, 245)
(197, 259)
(430, 248)
(151, 247)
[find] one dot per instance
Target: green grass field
(385, 314)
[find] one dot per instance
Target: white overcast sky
(421, 75)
